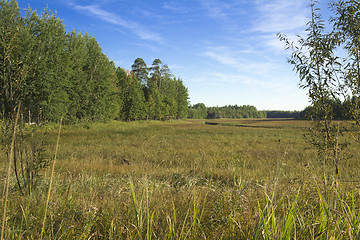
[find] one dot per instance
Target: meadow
(187, 179)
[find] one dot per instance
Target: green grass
(188, 180)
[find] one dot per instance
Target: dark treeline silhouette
(57, 74)
(340, 110)
(200, 111)
(283, 114)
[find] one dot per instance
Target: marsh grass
(188, 180)
(7, 181)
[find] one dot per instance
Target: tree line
(337, 109)
(200, 111)
(340, 110)
(57, 74)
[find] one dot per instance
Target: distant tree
(282, 114)
(230, 111)
(153, 95)
(155, 73)
(134, 107)
(214, 112)
(140, 70)
(165, 74)
(198, 111)
(181, 98)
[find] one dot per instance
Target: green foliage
(134, 101)
(283, 114)
(140, 70)
(30, 156)
(346, 27)
(181, 99)
(317, 65)
(45, 97)
(200, 111)
(13, 70)
(57, 74)
(157, 97)
(340, 110)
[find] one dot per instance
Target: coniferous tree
(140, 70)
(153, 95)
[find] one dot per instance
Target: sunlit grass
(188, 180)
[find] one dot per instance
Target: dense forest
(200, 111)
(340, 110)
(337, 110)
(57, 74)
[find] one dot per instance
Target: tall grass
(51, 181)
(187, 180)
(7, 182)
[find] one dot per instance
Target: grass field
(230, 179)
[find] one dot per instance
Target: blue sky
(226, 51)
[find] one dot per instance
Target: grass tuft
(187, 180)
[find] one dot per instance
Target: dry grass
(189, 180)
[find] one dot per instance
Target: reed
(7, 183)
(51, 181)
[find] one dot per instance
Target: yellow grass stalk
(51, 180)
(11, 157)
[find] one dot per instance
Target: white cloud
(112, 18)
(220, 55)
(175, 6)
(273, 43)
(240, 61)
(281, 15)
(275, 84)
(214, 9)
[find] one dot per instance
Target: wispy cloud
(278, 85)
(177, 66)
(280, 15)
(137, 29)
(223, 10)
(214, 9)
(229, 14)
(175, 6)
(237, 60)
